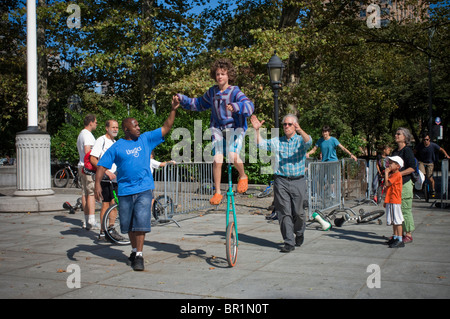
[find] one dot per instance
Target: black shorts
(107, 191)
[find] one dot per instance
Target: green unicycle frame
(232, 241)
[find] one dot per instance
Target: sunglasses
(288, 124)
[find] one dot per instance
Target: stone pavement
(42, 255)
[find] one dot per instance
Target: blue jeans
(135, 212)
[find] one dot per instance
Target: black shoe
(287, 248)
(132, 257)
(390, 241)
(299, 240)
(138, 263)
(273, 216)
(397, 244)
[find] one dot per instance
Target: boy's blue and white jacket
(217, 101)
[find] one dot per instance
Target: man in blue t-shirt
(131, 155)
(327, 145)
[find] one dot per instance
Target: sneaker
(101, 236)
(299, 240)
(273, 216)
(132, 257)
(287, 248)
(114, 234)
(397, 244)
(390, 241)
(138, 263)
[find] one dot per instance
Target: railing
(324, 186)
(186, 186)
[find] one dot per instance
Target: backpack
(88, 168)
(417, 176)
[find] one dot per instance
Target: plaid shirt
(290, 154)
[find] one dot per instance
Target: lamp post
(275, 68)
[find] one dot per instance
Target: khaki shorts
(87, 183)
(426, 169)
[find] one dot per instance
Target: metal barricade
(324, 186)
(185, 187)
(444, 180)
(354, 179)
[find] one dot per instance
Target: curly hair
(226, 65)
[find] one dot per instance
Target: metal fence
(354, 179)
(186, 187)
(324, 186)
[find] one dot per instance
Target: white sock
(133, 250)
(91, 219)
(138, 253)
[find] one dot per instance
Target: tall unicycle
(231, 229)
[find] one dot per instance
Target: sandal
(216, 199)
(242, 185)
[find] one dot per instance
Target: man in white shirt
(85, 142)
(109, 182)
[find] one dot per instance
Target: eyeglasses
(426, 139)
(288, 124)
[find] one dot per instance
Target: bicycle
(361, 217)
(111, 223)
(231, 236)
(159, 207)
(267, 191)
(350, 215)
(62, 176)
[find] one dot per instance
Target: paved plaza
(49, 255)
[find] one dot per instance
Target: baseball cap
(437, 120)
(396, 159)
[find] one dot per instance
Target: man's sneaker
(101, 236)
(299, 240)
(138, 263)
(114, 234)
(397, 244)
(132, 257)
(273, 216)
(287, 248)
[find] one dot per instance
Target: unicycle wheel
(231, 244)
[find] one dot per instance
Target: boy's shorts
(394, 214)
(135, 212)
(233, 145)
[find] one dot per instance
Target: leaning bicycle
(62, 177)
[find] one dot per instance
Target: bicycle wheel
(231, 244)
(159, 205)
(112, 230)
(369, 216)
(265, 192)
(61, 178)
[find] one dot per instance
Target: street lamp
(275, 68)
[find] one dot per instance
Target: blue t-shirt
(328, 149)
(133, 162)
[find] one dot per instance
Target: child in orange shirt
(393, 200)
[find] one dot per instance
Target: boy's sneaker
(138, 263)
(397, 244)
(390, 241)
